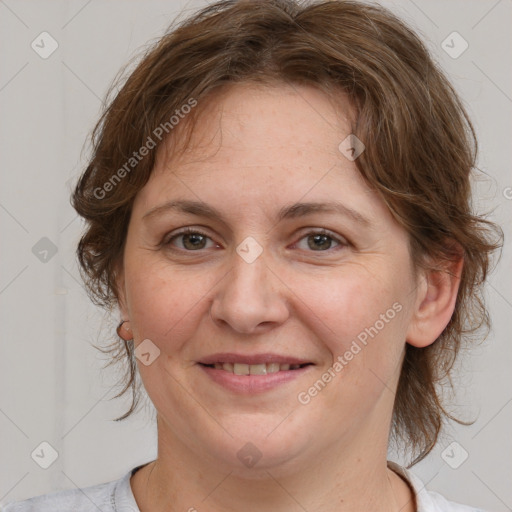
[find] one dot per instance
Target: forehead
(264, 146)
(255, 117)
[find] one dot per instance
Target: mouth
(253, 373)
(255, 369)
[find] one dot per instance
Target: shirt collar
(123, 499)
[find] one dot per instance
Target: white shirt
(117, 496)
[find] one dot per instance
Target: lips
(242, 378)
(253, 364)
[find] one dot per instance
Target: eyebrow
(292, 211)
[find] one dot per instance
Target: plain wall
(52, 385)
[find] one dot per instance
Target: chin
(257, 448)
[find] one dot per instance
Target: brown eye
(322, 241)
(319, 242)
(192, 240)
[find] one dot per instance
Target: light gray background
(52, 386)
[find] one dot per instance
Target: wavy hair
(420, 154)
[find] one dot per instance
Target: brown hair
(420, 152)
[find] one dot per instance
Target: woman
(293, 255)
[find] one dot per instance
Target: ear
(435, 303)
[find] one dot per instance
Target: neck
(339, 480)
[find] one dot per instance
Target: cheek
(359, 320)
(165, 304)
(345, 304)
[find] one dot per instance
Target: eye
(322, 240)
(192, 239)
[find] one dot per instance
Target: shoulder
(79, 500)
(115, 496)
(429, 501)
(443, 505)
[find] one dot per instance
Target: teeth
(241, 369)
(258, 369)
(255, 369)
(272, 367)
(227, 366)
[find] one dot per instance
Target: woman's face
(269, 282)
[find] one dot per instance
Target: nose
(250, 298)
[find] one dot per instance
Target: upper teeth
(255, 369)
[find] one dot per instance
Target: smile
(253, 374)
(255, 369)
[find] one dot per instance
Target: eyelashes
(195, 238)
(186, 232)
(322, 235)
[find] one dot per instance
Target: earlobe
(436, 304)
(124, 330)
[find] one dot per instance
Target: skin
(254, 150)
